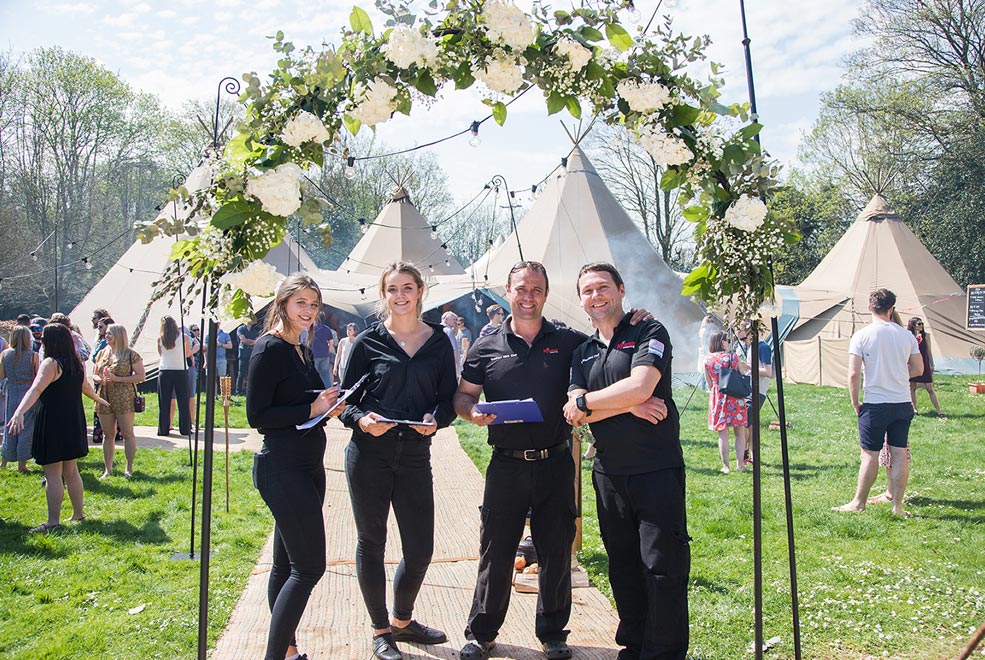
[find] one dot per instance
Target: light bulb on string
(71, 245)
(34, 255)
(447, 263)
(434, 232)
(634, 14)
(362, 225)
(350, 167)
(88, 264)
(362, 293)
(430, 268)
(475, 140)
(533, 192)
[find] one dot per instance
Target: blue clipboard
(512, 411)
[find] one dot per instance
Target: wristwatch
(582, 404)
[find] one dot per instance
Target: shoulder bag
(732, 383)
(139, 403)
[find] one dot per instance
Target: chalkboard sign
(976, 307)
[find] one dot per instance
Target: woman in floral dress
(724, 411)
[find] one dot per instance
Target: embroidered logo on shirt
(625, 344)
(550, 351)
(656, 347)
(589, 358)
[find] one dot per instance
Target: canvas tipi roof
(878, 250)
(577, 220)
(400, 233)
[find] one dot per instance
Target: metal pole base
(187, 556)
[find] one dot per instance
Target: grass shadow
(16, 539)
(150, 532)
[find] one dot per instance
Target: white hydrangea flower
(501, 74)
(406, 45)
(746, 213)
(278, 190)
(378, 103)
(508, 24)
(665, 148)
(257, 279)
(305, 127)
(643, 97)
(577, 54)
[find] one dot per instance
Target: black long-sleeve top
(400, 387)
(276, 396)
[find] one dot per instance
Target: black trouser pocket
(259, 469)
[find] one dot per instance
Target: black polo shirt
(507, 368)
(626, 444)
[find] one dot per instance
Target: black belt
(531, 454)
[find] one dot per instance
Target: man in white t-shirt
(888, 356)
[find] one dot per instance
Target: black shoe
(384, 647)
(557, 649)
(476, 650)
(418, 633)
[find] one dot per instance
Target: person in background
(463, 336)
(495, 314)
(411, 377)
(191, 368)
(322, 343)
(232, 360)
(118, 370)
(59, 438)
(705, 330)
(724, 411)
(37, 325)
(926, 379)
(765, 376)
(448, 322)
(3, 386)
(18, 365)
(172, 377)
(343, 352)
(289, 471)
(101, 324)
(223, 343)
(81, 345)
(24, 320)
(248, 334)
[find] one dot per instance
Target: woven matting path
(336, 625)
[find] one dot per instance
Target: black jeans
(381, 472)
(244, 367)
(172, 381)
(644, 529)
(293, 487)
(514, 486)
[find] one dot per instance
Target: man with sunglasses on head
(531, 468)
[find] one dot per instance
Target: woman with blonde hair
(19, 365)
(284, 390)
(172, 377)
(118, 370)
(410, 379)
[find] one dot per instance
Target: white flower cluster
(508, 24)
(643, 97)
(665, 148)
(278, 190)
(215, 245)
(378, 103)
(711, 143)
(304, 127)
(746, 213)
(406, 45)
(577, 54)
(501, 74)
(257, 279)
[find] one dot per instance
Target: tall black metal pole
(231, 86)
(784, 447)
(54, 250)
(500, 180)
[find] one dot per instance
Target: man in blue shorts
(888, 356)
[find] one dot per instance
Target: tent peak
(877, 209)
(400, 194)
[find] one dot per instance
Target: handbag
(139, 402)
(732, 383)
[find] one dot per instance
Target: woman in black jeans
(289, 471)
(411, 377)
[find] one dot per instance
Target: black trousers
(644, 529)
(293, 487)
(172, 382)
(383, 472)
(514, 486)
(244, 368)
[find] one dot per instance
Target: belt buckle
(537, 454)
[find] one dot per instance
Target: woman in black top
(411, 377)
(289, 470)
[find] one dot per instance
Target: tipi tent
(878, 250)
(126, 289)
(577, 220)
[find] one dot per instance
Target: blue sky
(180, 49)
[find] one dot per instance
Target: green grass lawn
(870, 584)
(237, 412)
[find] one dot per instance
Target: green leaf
(499, 113)
(574, 107)
(594, 71)
(241, 149)
(425, 84)
(694, 280)
(733, 153)
(359, 20)
(463, 76)
(684, 115)
(352, 125)
(590, 33)
(750, 131)
(235, 213)
(695, 213)
(555, 103)
(618, 36)
(671, 179)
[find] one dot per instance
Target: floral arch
(583, 60)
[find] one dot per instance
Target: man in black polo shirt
(639, 468)
(531, 466)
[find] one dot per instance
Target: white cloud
(123, 20)
(69, 8)
(167, 13)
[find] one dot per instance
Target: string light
(71, 245)
(632, 12)
(362, 292)
(34, 255)
(431, 268)
(362, 225)
(88, 264)
(434, 232)
(533, 192)
(350, 167)
(475, 140)
(447, 262)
